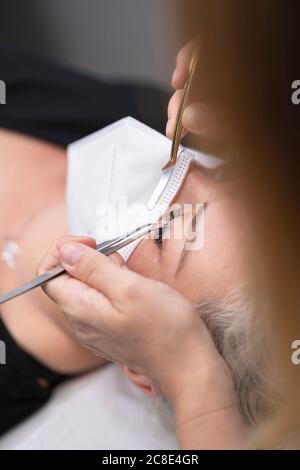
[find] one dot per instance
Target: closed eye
(158, 237)
(159, 234)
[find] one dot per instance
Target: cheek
(189, 283)
(146, 260)
(219, 266)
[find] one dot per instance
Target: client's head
(214, 279)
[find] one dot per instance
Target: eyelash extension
(158, 236)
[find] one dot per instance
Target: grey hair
(234, 323)
(235, 328)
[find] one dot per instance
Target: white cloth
(101, 410)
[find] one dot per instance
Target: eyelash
(158, 238)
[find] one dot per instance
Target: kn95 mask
(115, 181)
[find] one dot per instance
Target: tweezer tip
(169, 164)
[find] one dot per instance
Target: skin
(40, 328)
(139, 323)
(196, 278)
(135, 325)
(202, 119)
(118, 323)
(35, 218)
(209, 273)
(193, 376)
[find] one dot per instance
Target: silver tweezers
(107, 248)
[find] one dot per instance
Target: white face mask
(115, 182)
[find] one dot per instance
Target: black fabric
(25, 384)
(59, 105)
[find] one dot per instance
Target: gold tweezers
(178, 126)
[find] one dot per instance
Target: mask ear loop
(169, 186)
(164, 180)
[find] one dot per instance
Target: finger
(96, 270)
(204, 120)
(170, 129)
(173, 107)
(174, 103)
(182, 65)
(117, 259)
(51, 259)
(81, 303)
(89, 241)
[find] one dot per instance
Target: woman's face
(210, 272)
(223, 260)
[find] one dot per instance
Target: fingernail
(170, 128)
(70, 253)
(174, 77)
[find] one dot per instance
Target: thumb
(93, 268)
(51, 258)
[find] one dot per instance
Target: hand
(127, 318)
(202, 119)
(146, 325)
